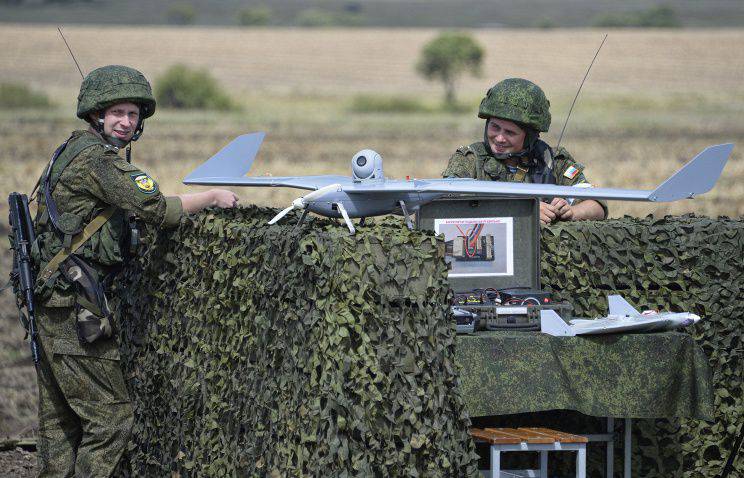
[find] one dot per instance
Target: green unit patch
(144, 183)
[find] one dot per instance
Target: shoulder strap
(542, 172)
(68, 151)
(77, 241)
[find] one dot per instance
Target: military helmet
(518, 100)
(113, 84)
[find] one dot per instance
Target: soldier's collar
(107, 143)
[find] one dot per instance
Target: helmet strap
(98, 124)
(139, 130)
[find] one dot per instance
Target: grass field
(653, 100)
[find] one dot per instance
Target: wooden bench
(541, 440)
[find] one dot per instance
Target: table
(659, 375)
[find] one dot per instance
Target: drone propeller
(301, 202)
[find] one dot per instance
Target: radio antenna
(59, 29)
(579, 91)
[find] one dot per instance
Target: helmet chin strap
(98, 126)
(530, 138)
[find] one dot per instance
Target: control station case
(489, 242)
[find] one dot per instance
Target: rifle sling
(77, 241)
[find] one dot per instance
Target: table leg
(610, 448)
(627, 445)
(495, 462)
(543, 464)
(581, 463)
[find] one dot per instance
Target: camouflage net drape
(260, 351)
(687, 263)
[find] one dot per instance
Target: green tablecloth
(623, 375)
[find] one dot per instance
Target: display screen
(478, 247)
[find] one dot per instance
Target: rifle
(22, 275)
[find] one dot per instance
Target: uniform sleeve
(568, 172)
(116, 182)
(460, 165)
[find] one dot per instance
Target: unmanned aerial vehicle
(622, 317)
(368, 193)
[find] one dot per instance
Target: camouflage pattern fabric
(474, 162)
(113, 84)
(265, 351)
(518, 100)
(85, 415)
(687, 263)
(270, 351)
(96, 178)
(626, 375)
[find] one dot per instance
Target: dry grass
(343, 61)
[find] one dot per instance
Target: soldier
(516, 111)
(89, 203)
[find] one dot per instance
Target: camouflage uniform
(524, 103)
(85, 415)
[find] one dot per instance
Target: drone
(368, 193)
(622, 317)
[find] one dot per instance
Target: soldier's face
(120, 121)
(505, 136)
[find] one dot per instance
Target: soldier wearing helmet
(90, 202)
(516, 112)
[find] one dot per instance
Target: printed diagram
(471, 245)
(476, 247)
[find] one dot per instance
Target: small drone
(368, 193)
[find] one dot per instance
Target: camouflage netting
(685, 263)
(260, 351)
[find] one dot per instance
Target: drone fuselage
(362, 205)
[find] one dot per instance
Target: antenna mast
(577, 93)
(59, 29)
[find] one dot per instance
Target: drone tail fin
(552, 324)
(619, 306)
(234, 160)
(696, 177)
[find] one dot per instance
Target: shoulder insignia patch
(571, 172)
(144, 182)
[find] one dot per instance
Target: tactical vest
(539, 168)
(104, 251)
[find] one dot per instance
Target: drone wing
(696, 177)
(298, 182)
(231, 164)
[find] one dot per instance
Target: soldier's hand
(224, 198)
(563, 209)
(548, 213)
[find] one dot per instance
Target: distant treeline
(379, 13)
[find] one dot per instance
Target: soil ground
(17, 463)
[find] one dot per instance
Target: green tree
(447, 57)
(188, 88)
(18, 96)
(662, 16)
(182, 14)
(254, 16)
